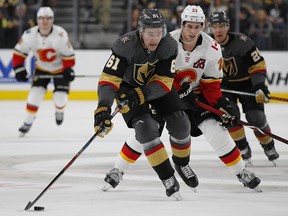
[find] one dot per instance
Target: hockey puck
(38, 208)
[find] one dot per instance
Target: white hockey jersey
(53, 53)
(202, 67)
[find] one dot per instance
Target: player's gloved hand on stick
(188, 97)
(262, 93)
(129, 99)
(68, 74)
(102, 119)
(21, 74)
(229, 118)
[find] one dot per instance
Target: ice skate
(172, 188)
(188, 176)
(271, 152)
(59, 117)
(24, 129)
(112, 179)
(249, 180)
(246, 155)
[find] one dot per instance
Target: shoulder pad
(168, 47)
(125, 45)
(245, 42)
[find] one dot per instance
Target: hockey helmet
(219, 17)
(45, 12)
(151, 18)
(193, 13)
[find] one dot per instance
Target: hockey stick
(220, 113)
(30, 204)
(253, 95)
(48, 76)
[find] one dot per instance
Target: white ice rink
(30, 163)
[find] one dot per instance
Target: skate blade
(177, 196)
(194, 189)
(257, 189)
(248, 163)
(274, 163)
(21, 134)
(106, 187)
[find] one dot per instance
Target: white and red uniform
(202, 67)
(53, 53)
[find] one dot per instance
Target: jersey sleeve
(21, 49)
(212, 76)
(66, 49)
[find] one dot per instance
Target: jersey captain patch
(229, 67)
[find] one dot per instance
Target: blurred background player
(244, 70)
(54, 55)
(140, 72)
(198, 71)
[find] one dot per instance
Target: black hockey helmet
(219, 17)
(151, 18)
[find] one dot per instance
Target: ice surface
(30, 163)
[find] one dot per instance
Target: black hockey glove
(102, 117)
(188, 97)
(262, 93)
(130, 99)
(68, 74)
(229, 118)
(21, 74)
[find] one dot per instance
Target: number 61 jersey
(202, 67)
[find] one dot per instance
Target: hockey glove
(68, 74)
(102, 120)
(262, 93)
(21, 74)
(130, 99)
(229, 118)
(188, 97)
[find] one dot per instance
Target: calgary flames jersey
(202, 67)
(53, 53)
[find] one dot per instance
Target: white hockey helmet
(193, 13)
(45, 12)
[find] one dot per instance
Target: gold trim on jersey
(260, 66)
(111, 79)
(210, 80)
(167, 81)
(239, 80)
(66, 58)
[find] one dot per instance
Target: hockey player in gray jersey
(244, 69)
(139, 73)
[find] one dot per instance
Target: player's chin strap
(220, 113)
(253, 94)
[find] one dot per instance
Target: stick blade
(28, 206)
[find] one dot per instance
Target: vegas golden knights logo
(143, 72)
(229, 67)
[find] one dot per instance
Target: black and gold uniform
(244, 69)
(142, 78)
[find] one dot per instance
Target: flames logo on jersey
(200, 63)
(144, 72)
(229, 67)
